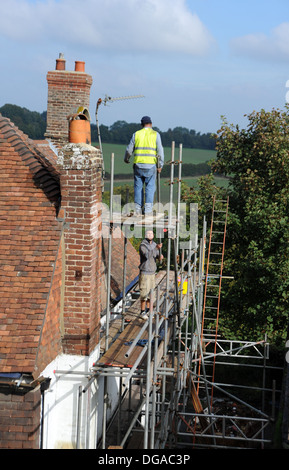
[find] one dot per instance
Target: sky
(193, 61)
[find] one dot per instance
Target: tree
(120, 133)
(31, 123)
(203, 196)
(257, 242)
(258, 232)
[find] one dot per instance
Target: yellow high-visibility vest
(145, 148)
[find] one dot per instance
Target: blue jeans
(147, 177)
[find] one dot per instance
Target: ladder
(213, 280)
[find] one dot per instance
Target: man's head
(146, 121)
(149, 234)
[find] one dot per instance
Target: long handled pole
(159, 196)
(98, 135)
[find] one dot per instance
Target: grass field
(193, 156)
(165, 188)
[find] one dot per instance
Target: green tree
(257, 242)
(257, 251)
(31, 123)
(203, 196)
(121, 132)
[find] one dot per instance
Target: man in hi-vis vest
(146, 145)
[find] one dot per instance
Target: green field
(193, 156)
(165, 188)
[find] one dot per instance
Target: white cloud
(261, 46)
(108, 25)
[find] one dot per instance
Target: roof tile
(29, 239)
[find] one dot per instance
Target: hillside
(195, 161)
(34, 125)
(31, 123)
(198, 149)
(120, 133)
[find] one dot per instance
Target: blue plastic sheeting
(10, 375)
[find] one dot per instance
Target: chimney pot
(60, 62)
(79, 66)
(79, 130)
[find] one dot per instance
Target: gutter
(19, 382)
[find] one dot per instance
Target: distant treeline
(33, 124)
(120, 133)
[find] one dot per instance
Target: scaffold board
(115, 356)
(157, 219)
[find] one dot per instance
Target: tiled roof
(29, 240)
(117, 261)
(44, 173)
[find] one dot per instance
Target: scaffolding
(168, 396)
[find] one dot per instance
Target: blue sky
(193, 60)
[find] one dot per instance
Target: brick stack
(81, 188)
(67, 90)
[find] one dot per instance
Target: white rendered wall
(61, 403)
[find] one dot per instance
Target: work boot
(143, 315)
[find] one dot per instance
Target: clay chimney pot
(79, 66)
(60, 62)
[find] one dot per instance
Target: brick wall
(20, 419)
(81, 189)
(67, 90)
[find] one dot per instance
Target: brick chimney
(80, 167)
(67, 90)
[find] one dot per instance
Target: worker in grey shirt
(146, 145)
(149, 252)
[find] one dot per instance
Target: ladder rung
(209, 339)
(210, 334)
